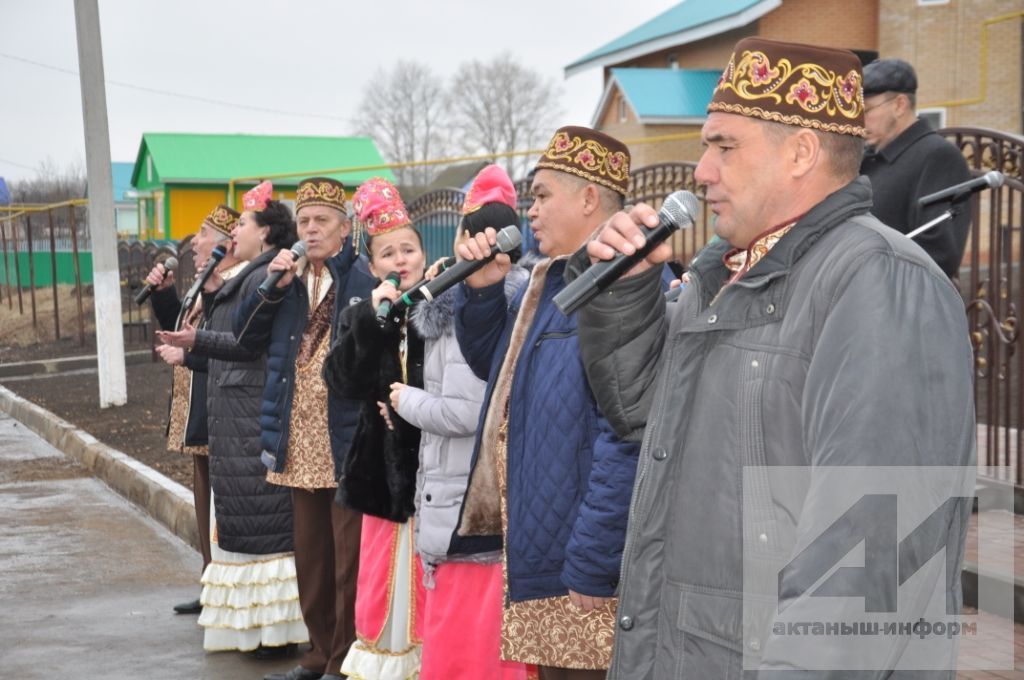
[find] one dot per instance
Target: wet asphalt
(87, 581)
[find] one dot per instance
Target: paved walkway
(87, 581)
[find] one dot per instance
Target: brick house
(967, 53)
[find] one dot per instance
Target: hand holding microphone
(627, 245)
(160, 277)
(480, 247)
(281, 269)
(384, 295)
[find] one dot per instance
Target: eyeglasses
(880, 104)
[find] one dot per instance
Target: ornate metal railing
(993, 286)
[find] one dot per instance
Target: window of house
(925, 3)
(622, 109)
(936, 117)
(673, 61)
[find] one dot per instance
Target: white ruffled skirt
(249, 600)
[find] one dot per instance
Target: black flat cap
(889, 75)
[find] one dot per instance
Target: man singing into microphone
(811, 336)
(906, 160)
(305, 431)
(186, 428)
(549, 476)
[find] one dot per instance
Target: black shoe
(262, 653)
(297, 673)
(192, 607)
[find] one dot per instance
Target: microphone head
(171, 263)
(681, 208)
(509, 238)
(394, 277)
(299, 249)
(995, 179)
(218, 253)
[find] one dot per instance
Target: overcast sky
(311, 57)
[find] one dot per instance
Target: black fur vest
(379, 476)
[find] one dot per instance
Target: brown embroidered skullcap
(805, 85)
(223, 219)
(592, 155)
(320, 191)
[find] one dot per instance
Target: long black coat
(917, 163)
(379, 477)
(253, 517)
(167, 309)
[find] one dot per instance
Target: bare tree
(51, 183)
(404, 110)
(501, 106)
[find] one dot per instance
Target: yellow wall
(189, 207)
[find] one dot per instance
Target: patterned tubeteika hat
(805, 85)
(491, 185)
(379, 208)
(320, 191)
(592, 155)
(222, 218)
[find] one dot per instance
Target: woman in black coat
(250, 596)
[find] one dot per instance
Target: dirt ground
(136, 428)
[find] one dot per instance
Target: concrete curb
(47, 366)
(163, 499)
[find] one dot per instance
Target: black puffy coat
(379, 477)
(253, 517)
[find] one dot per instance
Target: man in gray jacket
(809, 336)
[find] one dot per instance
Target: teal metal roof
(665, 92)
(688, 15)
(122, 176)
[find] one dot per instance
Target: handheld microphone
(170, 264)
(678, 211)
(959, 192)
(409, 297)
(190, 297)
(384, 308)
(298, 250)
(508, 239)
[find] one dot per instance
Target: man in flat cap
(549, 480)
(906, 160)
(810, 338)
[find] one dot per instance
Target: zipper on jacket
(554, 335)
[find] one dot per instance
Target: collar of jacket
(894, 149)
(852, 199)
(232, 284)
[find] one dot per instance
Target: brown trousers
(201, 493)
(549, 673)
(326, 566)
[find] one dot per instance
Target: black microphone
(410, 296)
(678, 211)
(170, 264)
(508, 239)
(190, 296)
(298, 250)
(384, 308)
(959, 192)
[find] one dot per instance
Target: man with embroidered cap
(306, 432)
(548, 474)
(906, 160)
(186, 426)
(811, 335)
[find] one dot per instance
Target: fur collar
(435, 318)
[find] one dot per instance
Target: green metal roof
(689, 20)
(214, 159)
